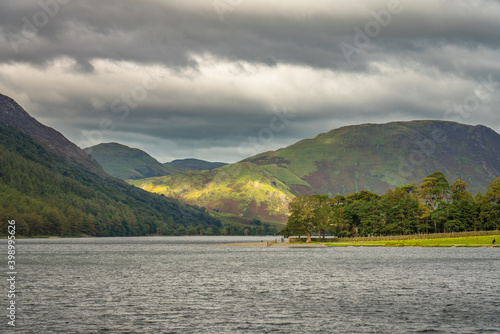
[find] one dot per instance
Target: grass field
(480, 241)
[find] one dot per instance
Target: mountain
(186, 165)
(49, 190)
(128, 163)
(14, 115)
(376, 157)
(372, 157)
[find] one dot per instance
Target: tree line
(433, 206)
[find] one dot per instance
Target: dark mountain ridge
(13, 114)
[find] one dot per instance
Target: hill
(186, 165)
(376, 157)
(372, 157)
(242, 189)
(128, 163)
(49, 192)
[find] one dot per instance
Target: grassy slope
(240, 189)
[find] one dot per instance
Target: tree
(432, 191)
(441, 186)
(459, 190)
(490, 206)
(423, 215)
(440, 216)
(463, 208)
(301, 219)
(493, 192)
(322, 213)
(339, 222)
(285, 231)
(425, 192)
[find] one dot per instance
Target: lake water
(166, 285)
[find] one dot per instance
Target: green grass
(438, 242)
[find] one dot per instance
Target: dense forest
(254, 227)
(48, 195)
(430, 207)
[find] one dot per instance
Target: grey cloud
(435, 52)
(153, 32)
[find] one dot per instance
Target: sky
(222, 80)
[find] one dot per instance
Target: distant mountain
(128, 163)
(186, 165)
(49, 190)
(372, 157)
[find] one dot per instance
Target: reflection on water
(165, 285)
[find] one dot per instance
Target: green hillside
(47, 194)
(128, 163)
(376, 157)
(372, 157)
(241, 189)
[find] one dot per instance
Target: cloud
(174, 74)
(303, 32)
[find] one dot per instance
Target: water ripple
(163, 285)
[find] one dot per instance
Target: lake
(176, 285)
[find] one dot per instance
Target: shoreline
(435, 243)
(325, 245)
(273, 245)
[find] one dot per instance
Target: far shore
(273, 244)
(462, 239)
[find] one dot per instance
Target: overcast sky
(222, 80)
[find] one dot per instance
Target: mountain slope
(376, 157)
(48, 193)
(13, 114)
(242, 189)
(371, 157)
(128, 163)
